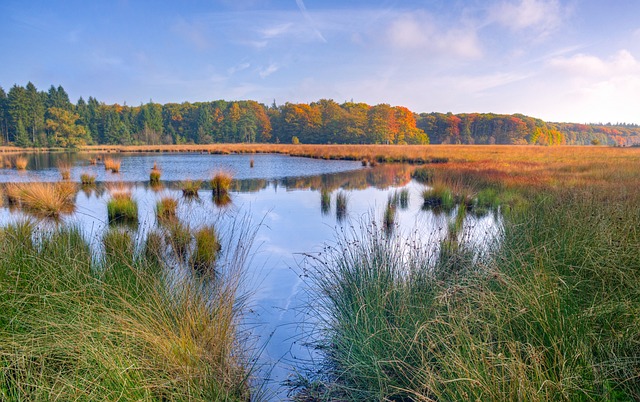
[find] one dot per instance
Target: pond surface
(282, 195)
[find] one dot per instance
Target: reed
(65, 170)
(438, 196)
(166, 208)
(49, 200)
(179, 238)
(112, 164)
(190, 187)
(21, 162)
(87, 179)
(121, 208)
(154, 176)
(221, 183)
(207, 248)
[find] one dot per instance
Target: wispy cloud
(268, 70)
(276, 30)
(421, 31)
(310, 21)
(539, 16)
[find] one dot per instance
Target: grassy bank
(552, 313)
(73, 328)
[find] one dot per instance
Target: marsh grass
(166, 208)
(550, 312)
(207, 248)
(403, 198)
(178, 238)
(21, 162)
(121, 208)
(65, 170)
(78, 329)
(190, 187)
(154, 176)
(87, 179)
(50, 200)
(112, 164)
(341, 205)
(389, 216)
(439, 196)
(221, 183)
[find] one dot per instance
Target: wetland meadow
(271, 272)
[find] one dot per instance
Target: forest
(33, 118)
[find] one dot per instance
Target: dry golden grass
(21, 162)
(43, 199)
(112, 164)
(65, 170)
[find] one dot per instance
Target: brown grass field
(512, 165)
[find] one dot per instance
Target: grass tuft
(207, 248)
(221, 183)
(49, 200)
(121, 208)
(21, 162)
(154, 176)
(87, 179)
(190, 187)
(112, 164)
(166, 208)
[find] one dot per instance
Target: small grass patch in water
(87, 179)
(166, 208)
(438, 196)
(221, 183)
(122, 208)
(43, 199)
(21, 162)
(179, 238)
(423, 175)
(112, 164)
(190, 187)
(154, 176)
(65, 170)
(207, 248)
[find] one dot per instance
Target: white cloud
(540, 16)
(276, 30)
(583, 66)
(239, 67)
(267, 71)
(419, 31)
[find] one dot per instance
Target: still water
(281, 195)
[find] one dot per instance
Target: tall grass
(73, 328)
(112, 164)
(221, 183)
(190, 187)
(122, 208)
(43, 199)
(65, 170)
(552, 313)
(207, 248)
(166, 208)
(21, 162)
(87, 179)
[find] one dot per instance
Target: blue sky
(560, 60)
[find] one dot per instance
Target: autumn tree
(64, 132)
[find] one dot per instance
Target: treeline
(29, 117)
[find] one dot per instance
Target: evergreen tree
(22, 138)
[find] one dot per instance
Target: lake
(281, 196)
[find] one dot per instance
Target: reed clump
(112, 164)
(154, 176)
(65, 170)
(87, 179)
(21, 162)
(221, 183)
(122, 208)
(49, 200)
(438, 196)
(190, 188)
(166, 208)
(207, 248)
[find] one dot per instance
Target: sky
(559, 60)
